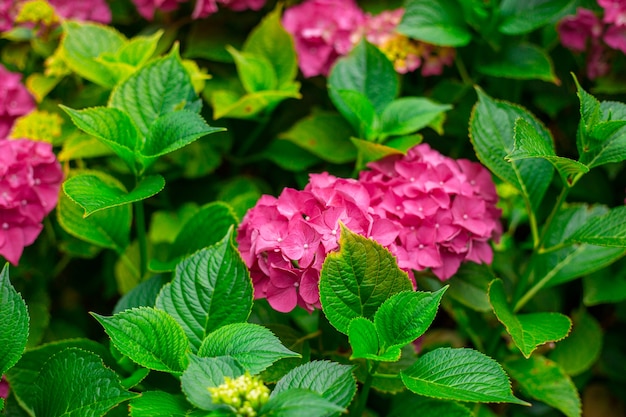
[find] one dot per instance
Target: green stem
(460, 67)
(557, 206)
(364, 394)
(140, 224)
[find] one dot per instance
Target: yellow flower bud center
(245, 394)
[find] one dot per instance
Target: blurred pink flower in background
(146, 8)
(15, 100)
(614, 11)
(205, 8)
(30, 179)
(430, 211)
(91, 10)
(4, 387)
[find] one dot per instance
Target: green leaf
(357, 279)
(109, 229)
(138, 50)
(255, 72)
(96, 192)
(469, 286)
(405, 316)
(111, 126)
(298, 402)
(369, 151)
(210, 289)
(492, 134)
(149, 337)
(203, 373)
(175, 130)
(410, 114)
(522, 61)
(331, 380)
(543, 380)
(158, 88)
(606, 230)
(143, 295)
(438, 22)
(461, 375)
(270, 40)
(231, 104)
(530, 144)
(214, 219)
(528, 331)
(365, 344)
(362, 114)
(605, 286)
(13, 323)
(582, 347)
(415, 405)
(83, 43)
(523, 17)
(289, 156)
(253, 346)
(75, 383)
(365, 70)
(159, 404)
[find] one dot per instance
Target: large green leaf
(492, 134)
(521, 61)
(227, 103)
(143, 295)
(410, 114)
(439, 22)
(370, 151)
(93, 193)
(415, 405)
(365, 343)
(13, 323)
(519, 17)
(606, 230)
(159, 404)
(543, 380)
(299, 402)
(149, 337)
(255, 71)
(360, 113)
(253, 346)
(605, 286)
(210, 289)
(469, 286)
(461, 375)
(203, 373)
(528, 331)
(357, 279)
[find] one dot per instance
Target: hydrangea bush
(312, 208)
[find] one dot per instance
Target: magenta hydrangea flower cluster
(430, 211)
(586, 32)
(202, 8)
(30, 179)
(15, 100)
(84, 10)
(324, 30)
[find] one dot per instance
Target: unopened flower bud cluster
(245, 394)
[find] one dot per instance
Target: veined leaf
(143, 295)
(227, 103)
(365, 342)
(439, 23)
(606, 230)
(409, 114)
(13, 323)
(203, 373)
(362, 114)
(522, 61)
(159, 404)
(582, 347)
(299, 402)
(523, 17)
(255, 71)
(414, 405)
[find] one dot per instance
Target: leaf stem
(365, 390)
(557, 206)
(460, 67)
(140, 224)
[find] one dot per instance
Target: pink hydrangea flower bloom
(147, 8)
(615, 37)
(15, 100)
(92, 10)
(428, 210)
(323, 31)
(4, 387)
(575, 31)
(205, 8)
(614, 11)
(30, 179)
(7, 15)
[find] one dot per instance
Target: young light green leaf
(230, 104)
(138, 50)
(582, 347)
(149, 337)
(530, 144)
(439, 23)
(253, 346)
(143, 295)
(159, 404)
(299, 402)
(414, 405)
(606, 230)
(111, 126)
(523, 17)
(96, 192)
(365, 345)
(210, 289)
(543, 380)
(362, 114)
(461, 375)
(255, 71)
(331, 380)
(405, 316)
(528, 331)
(410, 114)
(324, 134)
(203, 373)
(75, 383)
(492, 134)
(369, 151)
(357, 279)
(108, 229)
(13, 323)
(522, 61)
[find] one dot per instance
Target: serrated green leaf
(415, 405)
(203, 373)
(214, 219)
(138, 50)
(606, 230)
(369, 151)
(405, 316)
(528, 331)
(210, 289)
(233, 105)
(253, 346)
(529, 144)
(111, 126)
(158, 88)
(469, 286)
(582, 347)
(83, 146)
(523, 17)
(255, 71)
(365, 344)
(523, 61)
(109, 229)
(410, 114)
(75, 383)
(492, 135)
(439, 23)
(93, 193)
(149, 337)
(357, 279)
(143, 295)
(159, 404)
(461, 375)
(543, 380)
(13, 323)
(299, 402)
